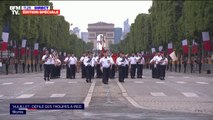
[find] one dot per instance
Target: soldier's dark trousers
(106, 75)
(88, 73)
(112, 72)
(121, 73)
(133, 69)
(72, 71)
(68, 71)
(126, 71)
(162, 71)
(83, 70)
(139, 70)
(47, 69)
(98, 70)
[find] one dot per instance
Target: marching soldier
(83, 70)
(57, 62)
(47, 59)
(88, 67)
(154, 66)
(121, 62)
(126, 66)
(141, 62)
(98, 66)
(67, 61)
(73, 62)
(112, 72)
(133, 65)
(163, 62)
(106, 64)
(93, 65)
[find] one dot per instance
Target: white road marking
(25, 96)
(186, 77)
(138, 82)
(160, 82)
(49, 82)
(57, 95)
(1, 96)
(73, 82)
(28, 83)
(7, 83)
(158, 94)
(171, 77)
(181, 82)
(189, 94)
(89, 95)
(131, 100)
(202, 83)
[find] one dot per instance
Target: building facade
(126, 28)
(84, 36)
(76, 31)
(106, 29)
(117, 35)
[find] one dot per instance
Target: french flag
(160, 48)
(5, 37)
(194, 47)
(153, 50)
(23, 46)
(35, 52)
(170, 48)
(185, 46)
(206, 40)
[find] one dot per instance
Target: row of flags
(207, 45)
(24, 49)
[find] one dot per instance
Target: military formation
(104, 65)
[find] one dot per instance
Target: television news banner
(20, 109)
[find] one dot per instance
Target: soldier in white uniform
(98, 67)
(67, 61)
(73, 62)
(133, 65)
(83, 72)
(106, 64)
(163, 62)
(121, 62)
(140, 64)
(47, 59)
(88, 67)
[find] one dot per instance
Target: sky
(82, 13)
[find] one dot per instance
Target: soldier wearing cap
(121, 62)
(162, 66)
(88, 67)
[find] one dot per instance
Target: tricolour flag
(35, 52)
(206, 40)
(194, 47)
(153, 50)
(5, 37)
(170, 48)
(185, 46)
(160, 48)
(23, 46)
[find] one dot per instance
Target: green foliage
(49, 31)
(169, 21)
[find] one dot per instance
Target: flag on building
(185, 46)
(194, 47)
(35, 52)
(23, 46)
(5, 37)
(206, 41)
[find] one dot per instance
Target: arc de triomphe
(106, 29)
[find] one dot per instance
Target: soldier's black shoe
(87, 81)
(44, 79)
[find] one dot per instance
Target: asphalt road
(179, 97)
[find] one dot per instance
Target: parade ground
(179, 97)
